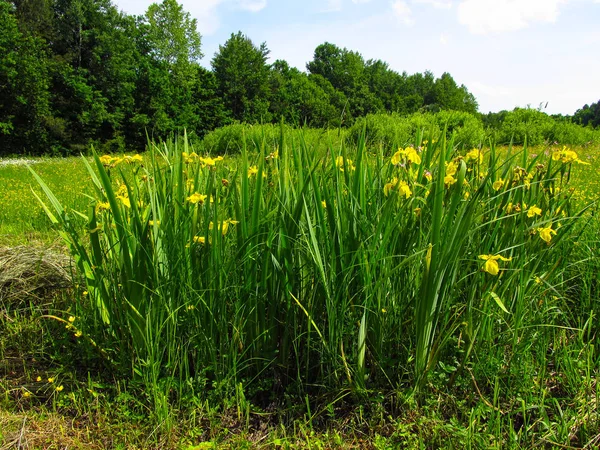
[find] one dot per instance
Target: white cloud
(252, 5)
(484, 16)
(403, 12)
(439, 4)
(356, 2)
(444, 39)
(206, 14)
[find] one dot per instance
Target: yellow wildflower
(71, 319)
(491, 263)
(252, 170)
(50, 380)
(474, 155)
(449, 180)
(389, 186)
(534, 211)
(567, 156)
(451, 168)
(38, 379)
(546, 233)
(404, 188)
(102, 206)
(78, 333)
(196, 198)
(59, 388)
(339, 162)
(26, 394)
(409, 154)
(200, 240)
(106, 160)
(498, 184)
(123, 195)
(323, 203)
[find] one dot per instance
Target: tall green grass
(293, 271)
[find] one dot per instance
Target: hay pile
(30, 273)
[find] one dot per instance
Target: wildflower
(546, 233)
(252, 170)
(389, 186)
(71, 319)
(449, 180)
(491, 263)
(428, 175)
(567, 156)
(123, 195)
(383, 310)
(59, 388)
(417, 211)
(403, 188)
(200, 240)
(102, 206)
(210, 162)
(78, 333)
(50, 380)
(339, 162)
(26, 394)
(498, 184)
(409, 154)
(132, 159)
(323, 203)
(474, 155)
(451, 168)
(106, 160)
(154, 222)
(196, 198)
(273, 155)
(223, 226)
(534, 211)
(38, 379)
(188, 158)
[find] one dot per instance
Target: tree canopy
(81, 72)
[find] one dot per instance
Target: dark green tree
(24, 87)
(243, 78)
(588, 115)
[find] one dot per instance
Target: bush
(391, 131)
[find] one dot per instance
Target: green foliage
(242, 77)
(232, 139)
(588, 115)
(306, 263)
(391, 131)
(24, 83)
(536, 128)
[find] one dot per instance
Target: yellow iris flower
(196, 198)
(491, 263)
(534, 211)
(546, 234)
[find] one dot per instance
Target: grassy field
(425, 297)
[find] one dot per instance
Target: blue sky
(507, 52)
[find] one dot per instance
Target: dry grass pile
(30, 273)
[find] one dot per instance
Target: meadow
(307, 290)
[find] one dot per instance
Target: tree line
(81, 72)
